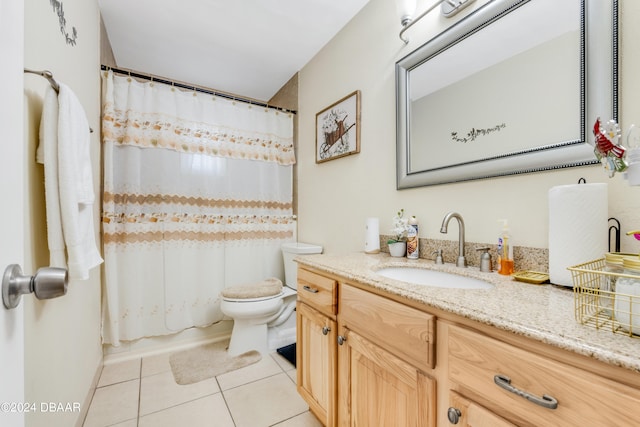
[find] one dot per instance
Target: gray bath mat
(207, 361)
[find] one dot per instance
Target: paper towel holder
(616, 234)
(47, 283)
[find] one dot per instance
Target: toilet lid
(266, 288)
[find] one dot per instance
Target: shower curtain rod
(153, 78)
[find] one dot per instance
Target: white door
(12, 169)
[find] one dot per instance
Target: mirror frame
(599, 86)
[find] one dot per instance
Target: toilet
(263, 313)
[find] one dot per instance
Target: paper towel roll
(578, 216)
(372, 236)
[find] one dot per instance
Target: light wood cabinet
(533, 390)
(386, 348)
(377, 388)
(316, 336)
(366, 358)
(316, 362)
(373, 379)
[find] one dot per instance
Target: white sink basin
(438, 279)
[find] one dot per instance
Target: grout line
(182, 403)
(139, 393)
(287, 419)
(226, 404)
(254, 381)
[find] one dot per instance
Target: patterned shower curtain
(197, 197)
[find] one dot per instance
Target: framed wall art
(338, 129)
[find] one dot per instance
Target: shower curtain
(197, 197)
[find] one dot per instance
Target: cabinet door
(378, 389)
(469, 414)
(316, 362)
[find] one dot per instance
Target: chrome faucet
(461, 262)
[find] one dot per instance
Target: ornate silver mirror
(514, 87)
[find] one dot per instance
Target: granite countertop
(541, 312)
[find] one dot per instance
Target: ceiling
(249, 48)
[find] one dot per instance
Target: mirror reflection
(504, 91)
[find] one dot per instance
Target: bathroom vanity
(378, 351)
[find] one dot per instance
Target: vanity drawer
(583, 398)
(317, 291)
(404, 331)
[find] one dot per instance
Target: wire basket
(596, 303)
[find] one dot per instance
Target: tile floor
(143, 393)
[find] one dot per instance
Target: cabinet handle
(454, 414)
(341, 339)
(325, 330)
(545, 401)
(309, 289)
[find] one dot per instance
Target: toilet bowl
(258, 308)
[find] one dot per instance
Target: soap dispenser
(505, 250)
(485, 260)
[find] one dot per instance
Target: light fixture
(407, 8)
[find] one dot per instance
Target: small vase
(398, 249)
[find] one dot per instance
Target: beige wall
(62, 336)
(335, 197)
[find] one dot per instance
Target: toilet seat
(261, 291)
(279, 295)
(286, 292)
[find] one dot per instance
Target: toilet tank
(289, 252)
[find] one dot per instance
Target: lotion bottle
(413, 247)
(505, 250)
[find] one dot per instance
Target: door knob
(47, 283)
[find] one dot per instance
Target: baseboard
(84, 408)
(159, 345)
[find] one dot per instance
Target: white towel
(47, 153)
(65, 150)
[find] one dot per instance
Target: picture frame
(338, 129)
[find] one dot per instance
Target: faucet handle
(438, 254)
(485, 259)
